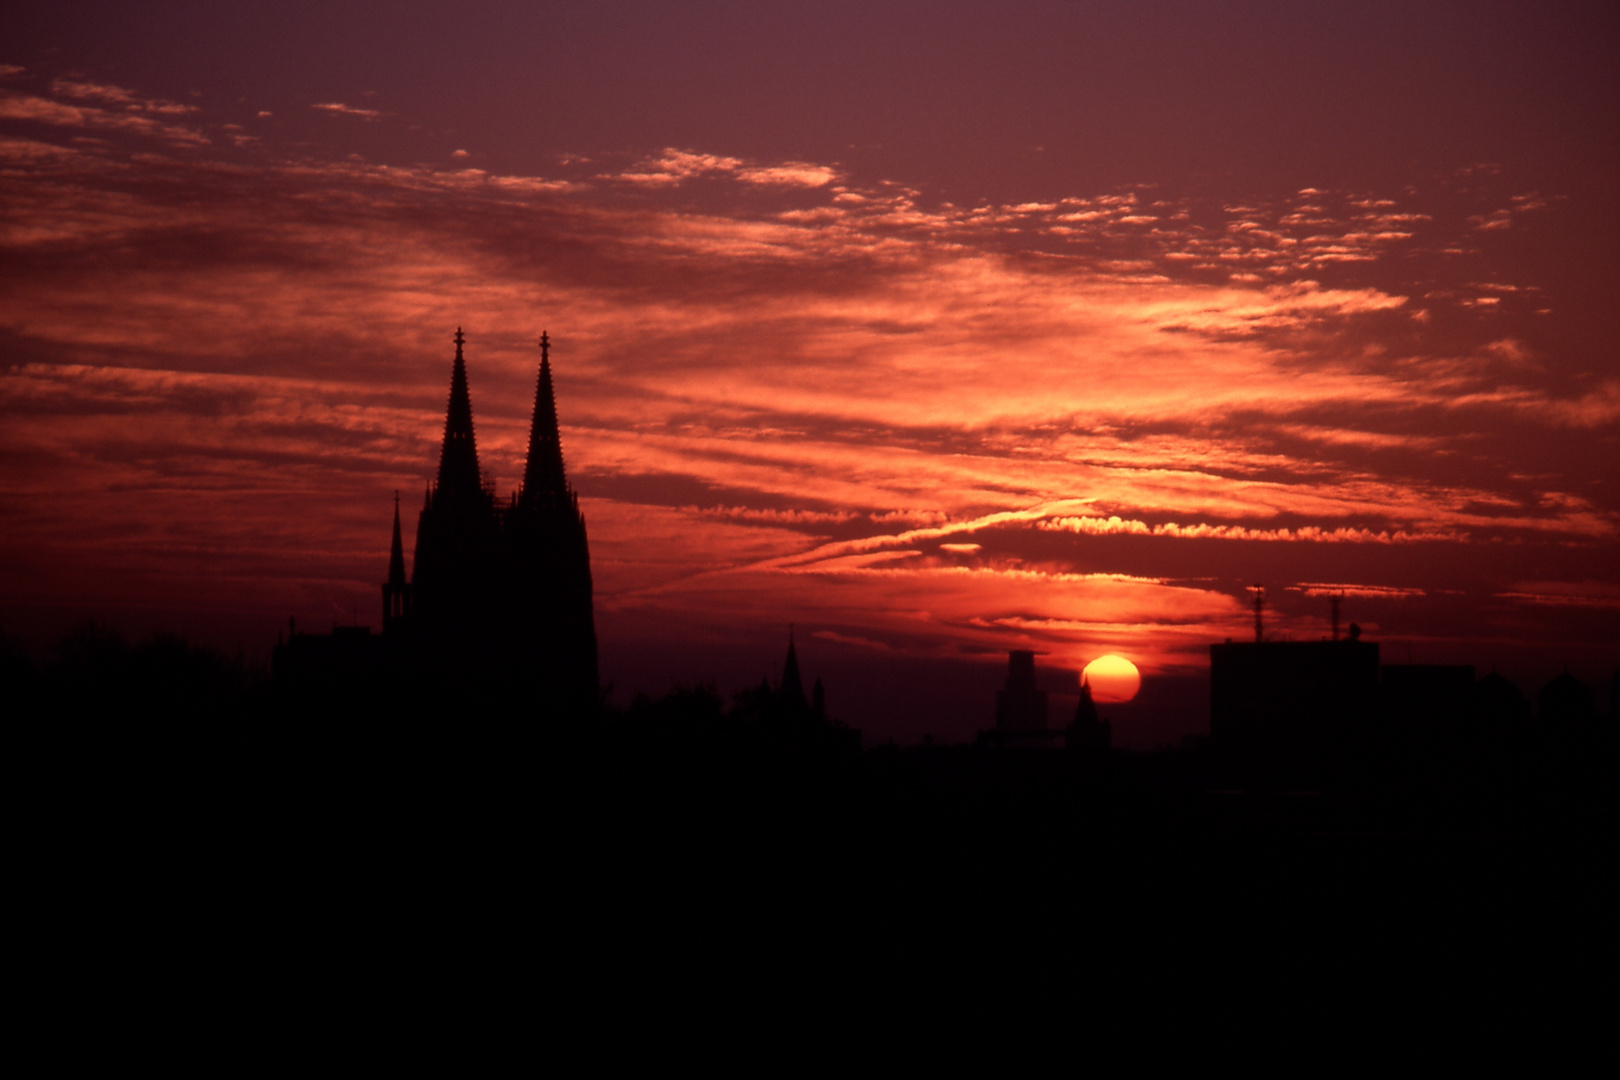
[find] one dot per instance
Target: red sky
(935, 330)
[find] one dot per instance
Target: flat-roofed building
(1293, 704)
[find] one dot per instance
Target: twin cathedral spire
(500, 592)
(458, 460)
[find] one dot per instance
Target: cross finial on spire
(458, 460)
(543, 478)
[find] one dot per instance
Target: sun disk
(1112, 678)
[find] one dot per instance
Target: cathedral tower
(457, 536)
(550, 618)
(498, 612)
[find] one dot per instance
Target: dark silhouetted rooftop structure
(790, 695)
(1427, 693)
(1566, 700)
(1498, 700)
(1021, 707)
(1088, 732)
(781, 714)
(1293, 707)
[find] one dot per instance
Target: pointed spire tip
(544, 477)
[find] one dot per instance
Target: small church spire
(1088, 732)
(396, 554)
(458, 461)
(544, 480)
(1085, 710)
(792, 690)
(396, 590)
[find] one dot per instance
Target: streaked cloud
(1588, 593)
(340, 109)
(129, 113)
(674, 166)
(1098, 526)
(117, 96)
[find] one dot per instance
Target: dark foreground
(375, 857)
(182, 849)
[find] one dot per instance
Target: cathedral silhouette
(497, 610)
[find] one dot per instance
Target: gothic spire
(396, 555)
(544, 482)
(458, 461)
(792, 691)
(1085, 710)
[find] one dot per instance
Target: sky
(929, 330)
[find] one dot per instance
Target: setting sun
(1112, 678)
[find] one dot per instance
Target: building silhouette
(1498, 701)
(785, 702)
(498, 608)
(1328, 710)
(775, 715)
(1293, 705)
(1566, 700)
(790, 694)
(790, 698)
(1088, 732)
(1021, 708)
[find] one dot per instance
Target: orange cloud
(133, 120)
(341, 109)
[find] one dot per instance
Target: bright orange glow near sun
(1112, 678)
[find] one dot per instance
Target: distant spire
(458, 461)
(792, 692)
(396, 555)
(544, 481)
(1085, 711)
(1089, 733)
